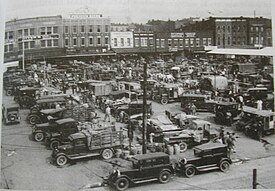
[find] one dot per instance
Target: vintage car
(256, 123)
(40, 131)
(145, 168)
(135, 107)
(165, 93)
(45, 115)
(201, 101)
(26, 97)
(10, 114)
(49, 103)
(207, 157)
(226, 112)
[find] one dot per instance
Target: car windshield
(12, 109)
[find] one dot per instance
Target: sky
(139, 11)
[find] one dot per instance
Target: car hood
(64, 147)
(42, 125)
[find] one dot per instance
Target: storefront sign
(177, 35)
(190, 34)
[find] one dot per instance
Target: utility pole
(144, 128)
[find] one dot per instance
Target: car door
(207, 158)
(147, 170)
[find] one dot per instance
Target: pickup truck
(86, 144)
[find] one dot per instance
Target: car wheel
(122, 184)
(12, 117)
(61, 160)
(9, 93)
(224, 166)
(190, 171)
(164, 177)
(34, 119)
(183, 147)
(54, 144)
(164, 101)
(39, 136)
(107, 154)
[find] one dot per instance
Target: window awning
(267, 51)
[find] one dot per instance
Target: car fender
(38, 131)
(189, 165)
(226, 159)
(124, 176)
(168, 170)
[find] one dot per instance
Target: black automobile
(226, 112)
(40, 131)
(45, 115)
(10, 114)
(145, 168)
(207, 157)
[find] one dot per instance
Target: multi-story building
(119, 27)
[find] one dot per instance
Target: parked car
(26, 97)
(40, 131)
(145, 168)
(45, 115)
(10, 114)
(207, 157)
(49, 103)
(226, 112)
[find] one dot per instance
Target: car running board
(83, 156)
(207, 168)
(143, 181)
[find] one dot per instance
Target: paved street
(21, 154)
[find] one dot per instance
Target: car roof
(258, 112)
(209, 146)
(61, 121)
(48, 111)
(150, 155)
(226, 103)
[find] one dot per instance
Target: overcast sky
(139, 10)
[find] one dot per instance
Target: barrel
(176, 149)
(170, 149)
(118, 153)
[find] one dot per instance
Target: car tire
(122, 184)
(39, 136)
(61, 160)
(107, 154)
(183, 147)
(34, 119)
(9, 92)
(164, 101)
(164, 177)
(12, 117)
(54, 144)
(224, 166)
(189, 171)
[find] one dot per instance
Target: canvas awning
(267, 51)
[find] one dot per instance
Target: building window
(74, 29)
(82, 41)
(32, 44)
(251, 29)
(197, 42)
(233, 41)
(175, 42)
(10, 47)
(66, 29)
(143, 42)
(91, 41)
(6, 35)
(191, 42)
(55, 42)
(106, 40)
(162, 43)
(106, 28)
(42, 30)
(66, 42)
(74, 42)
(20, 45)
(55, 30)
(151, 41)
(169, 42)
(43, 43)
(262, 29)
(204, 41)
(128, 42)
(11, 35)
(82, 29)
(19, 32)
(98, 41)
(49, 43)
(26, 32)
(219, 41)
(181, 42)
(186, 42)
(26, 45)
(257, 29)
(228, 28)
(115, 41)
(136, 42)
(91, 28)
(49, 30)
(6, 48)
(98, 28)
(209, 41)
(228, 41)
(157, 43)
(262, 40)
(31, 31)
(218, 27)
(122, 41)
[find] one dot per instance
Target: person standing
(193, 109)
(107, 113)
(259, 104)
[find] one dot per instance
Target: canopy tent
(267, 51)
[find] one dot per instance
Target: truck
(86, 144)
